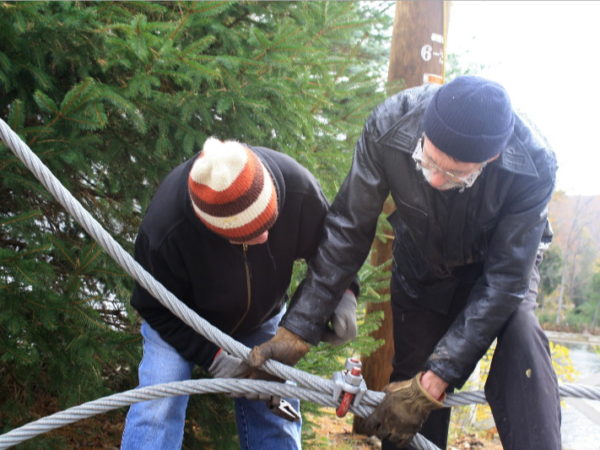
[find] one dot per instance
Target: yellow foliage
(561, 361)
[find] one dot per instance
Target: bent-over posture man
(222, 233)
(471, 185)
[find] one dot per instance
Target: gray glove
(225, 365)
(343, 321)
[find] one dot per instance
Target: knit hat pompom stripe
(211, 203)
(235, 173)
(231, 191)
(253, 228)
(264, 201)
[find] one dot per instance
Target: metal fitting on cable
(349, 386)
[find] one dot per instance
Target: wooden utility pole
(417, 57)
(417, 54)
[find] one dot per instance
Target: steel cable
(321, 390)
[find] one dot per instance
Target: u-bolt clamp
(350, 387)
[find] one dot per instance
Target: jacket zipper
(248, 287)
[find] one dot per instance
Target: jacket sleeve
(348, 231)
(502, 286)
(312, 216)
(165, 265)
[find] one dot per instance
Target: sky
(547, 56)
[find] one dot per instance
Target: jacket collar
(404, 134)
(515, 158)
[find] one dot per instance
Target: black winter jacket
(497, 223)
(234, 287)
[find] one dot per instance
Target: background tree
(575, 223)
(550, 273)
(594, 300)
(111, 96)
(583, 316)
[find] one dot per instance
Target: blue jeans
(158, 424)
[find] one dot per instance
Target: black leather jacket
(498, 223)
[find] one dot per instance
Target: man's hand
(403, 410)
(285, 347)
(225, 365)
(343, 321)
(433, 385)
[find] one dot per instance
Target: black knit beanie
(470, 119)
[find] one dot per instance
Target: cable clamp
(349, 386)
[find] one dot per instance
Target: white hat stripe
(232, 160)
(244, 217)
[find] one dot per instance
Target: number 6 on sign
(426, 52)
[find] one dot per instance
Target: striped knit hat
(232, 192)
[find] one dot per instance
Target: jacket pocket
(476, 248)
(411, 219)
(407, 255)
(415, 274)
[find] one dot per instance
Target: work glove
(402, 412)
(225, 365)
(343, 321)
(285, 347)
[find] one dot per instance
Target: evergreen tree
(550, 273)
(111, 96)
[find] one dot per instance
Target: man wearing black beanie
(471, 185)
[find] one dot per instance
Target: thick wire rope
(147, 281)
(200, 325)
(234, 386)
(22, 151)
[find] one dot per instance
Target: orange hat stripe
(252, 229)
(240, 185)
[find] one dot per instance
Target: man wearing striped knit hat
(222, 233)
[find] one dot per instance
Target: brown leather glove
(285, 347)
(402, 412)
